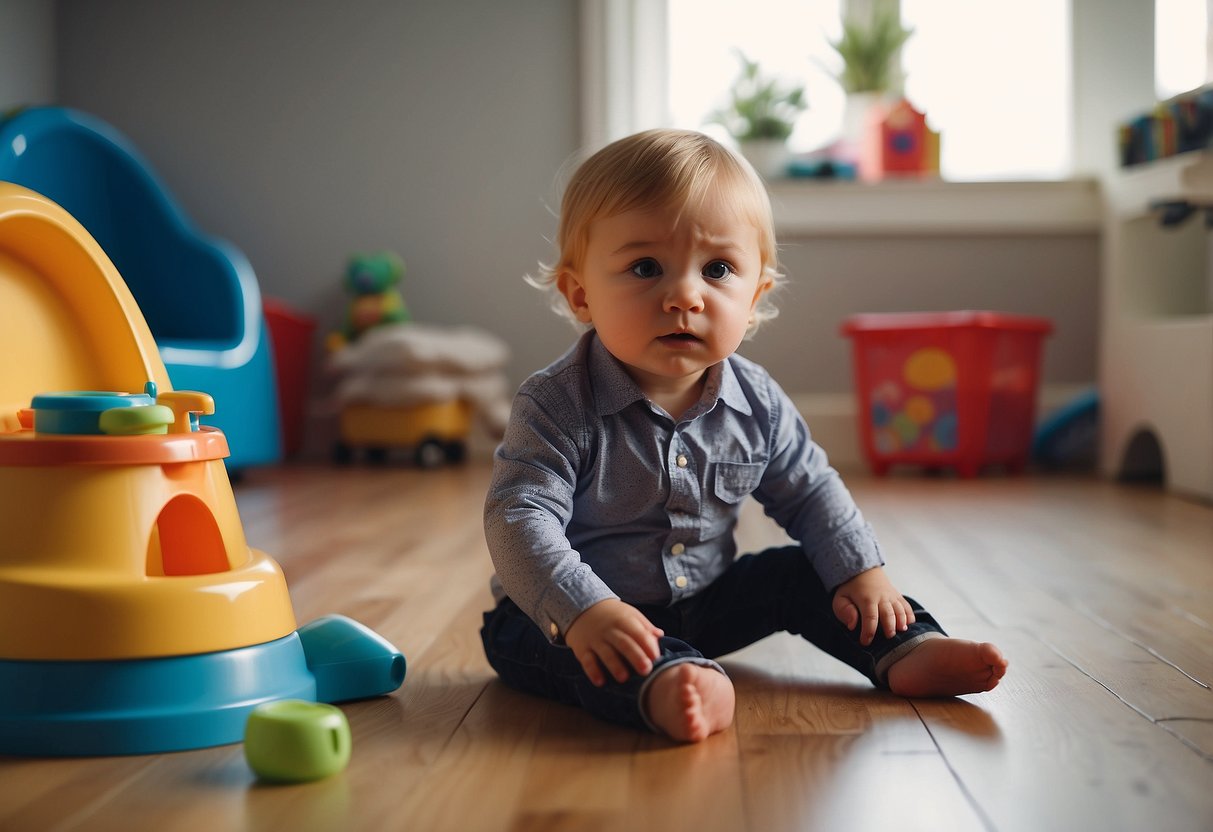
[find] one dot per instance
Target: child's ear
(570, 285)
(765, 284)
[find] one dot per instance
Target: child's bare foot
(690, 702)
(947, 667)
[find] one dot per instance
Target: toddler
(617, 487)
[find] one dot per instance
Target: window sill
(807, 208)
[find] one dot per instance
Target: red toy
(907, 146)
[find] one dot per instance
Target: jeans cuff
(661, 668)
(900, 652)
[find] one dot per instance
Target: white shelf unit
(1156, 345)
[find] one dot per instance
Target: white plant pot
(768, 156)
(857, 116)
(859, 139)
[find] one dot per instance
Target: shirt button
(682, 461)
(678, 548)
(681, 581)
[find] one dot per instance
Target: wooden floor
(1102, 596)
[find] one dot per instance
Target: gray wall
(304, 131)
(27, 52)
(1056, 276)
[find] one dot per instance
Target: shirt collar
(614, 389)
(731, 392)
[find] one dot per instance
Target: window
(995, 78)
(788, 38)
(1000, 116)
(1180, 46)
(984, 110)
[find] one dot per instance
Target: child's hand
(870, 597)
(613, 635)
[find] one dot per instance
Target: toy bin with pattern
(946, 389)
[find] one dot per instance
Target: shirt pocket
(734, 481)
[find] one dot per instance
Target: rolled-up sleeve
(527, 510)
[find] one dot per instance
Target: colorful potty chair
(134, 616)
(199, 295)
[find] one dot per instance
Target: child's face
(670, 294)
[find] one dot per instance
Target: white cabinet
(1156, 353)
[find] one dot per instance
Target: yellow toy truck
(433, 433)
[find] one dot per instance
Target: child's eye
(717, 270)
(646, 268)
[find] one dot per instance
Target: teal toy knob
(293, 740)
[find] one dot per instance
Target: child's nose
(683, 294)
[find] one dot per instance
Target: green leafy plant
(759, 106)
(868, 49)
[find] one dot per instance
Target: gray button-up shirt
(597, 493)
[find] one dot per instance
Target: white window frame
(623, 48)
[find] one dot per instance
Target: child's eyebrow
(728, 244)
(724, 244)
(633, 246)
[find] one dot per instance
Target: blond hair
(661, 168)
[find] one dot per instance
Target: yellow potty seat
(123, 559)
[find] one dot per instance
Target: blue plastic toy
(1069, 437)
(176, 703)
(199, 295)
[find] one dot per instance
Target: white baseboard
(833, 419)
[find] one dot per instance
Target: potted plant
(870, 74)
(869, 48)
(761, 115)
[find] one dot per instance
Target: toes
(991, 655)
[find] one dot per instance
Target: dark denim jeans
(770, 592)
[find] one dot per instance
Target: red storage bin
(291, 333)
(946, 389)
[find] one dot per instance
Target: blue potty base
(145, 706)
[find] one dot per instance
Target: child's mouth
(678, 338)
